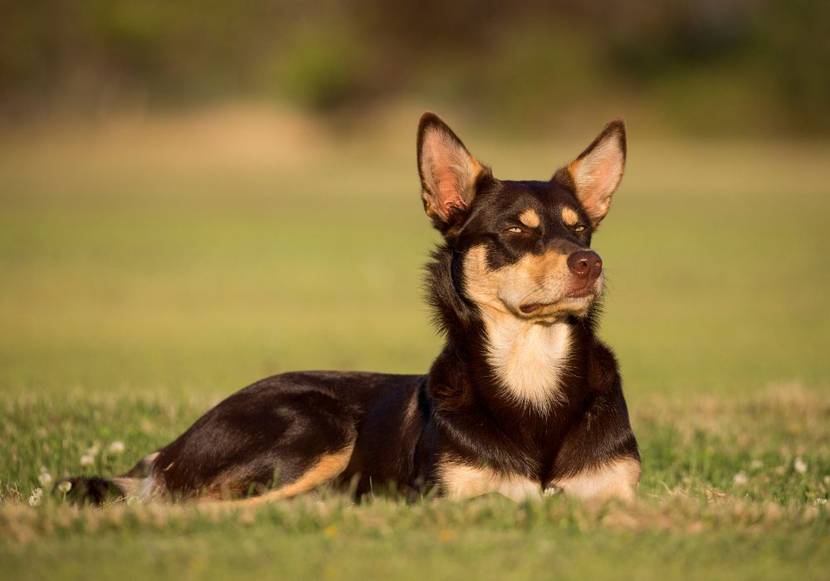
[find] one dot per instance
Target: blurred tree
(716, 64)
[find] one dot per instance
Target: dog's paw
(551, 490)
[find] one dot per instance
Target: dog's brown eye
(579, 228)
(515, 230)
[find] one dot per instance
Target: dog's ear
(597, 172)
(448, 172)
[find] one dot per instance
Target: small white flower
(740, 479)
(45, 478)
(36, 497)
(65, 486)
(117, 447)
(800, 466)
(756, 464)
(87, 459)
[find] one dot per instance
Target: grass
(150, 267)
(729, 491)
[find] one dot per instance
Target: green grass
(730, 490)
(149, 269)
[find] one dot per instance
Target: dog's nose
(585, 264)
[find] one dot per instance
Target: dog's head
(523, 247)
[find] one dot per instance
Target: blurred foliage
(708, 65)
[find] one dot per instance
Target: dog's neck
(519, 361)
(527, 358)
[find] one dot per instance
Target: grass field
(150, 267)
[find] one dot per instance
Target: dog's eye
(515, 230)
(579, 228)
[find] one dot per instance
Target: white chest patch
(528, 359)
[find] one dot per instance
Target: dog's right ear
(448, 172)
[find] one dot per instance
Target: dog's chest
(528, 359)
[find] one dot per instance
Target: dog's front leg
(460, 481)
(617, 479)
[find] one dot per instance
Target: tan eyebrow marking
(569, 216)
(530, 218)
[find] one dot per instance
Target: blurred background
(708, 66)
(197, 194)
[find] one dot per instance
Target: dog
(524, 400)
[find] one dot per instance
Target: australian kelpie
(523, 400)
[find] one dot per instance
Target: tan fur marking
(461, 481)
(327, 467)
(140, 482)
(144, 489)
(481, 283)
(530, 218)
(618, 480)
(528, 279)
(528, 357)
(569, 216)
(143, 467)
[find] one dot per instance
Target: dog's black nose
(585, 264)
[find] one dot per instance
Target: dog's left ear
(597, 172)
(448, 172)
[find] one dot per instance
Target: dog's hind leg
(274, 439)
(143, 467)
(321, 470)
(271, 441)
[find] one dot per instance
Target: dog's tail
(97, 490)
(94, 490)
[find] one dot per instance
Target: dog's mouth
(533, 308)
(576, 301)
(572, 304)
(588, 290)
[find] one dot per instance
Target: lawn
(151, 266)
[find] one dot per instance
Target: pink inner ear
(449, 196)
(448, 171)
(596, 176)
(602, 178)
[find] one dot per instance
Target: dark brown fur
(401, 429)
